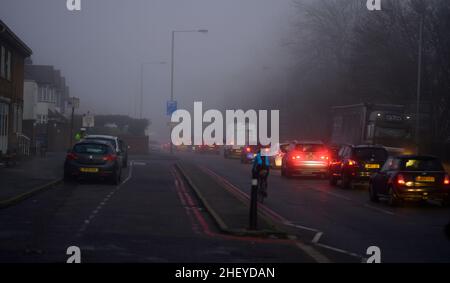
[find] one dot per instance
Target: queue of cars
(97, 156)
(395, 178)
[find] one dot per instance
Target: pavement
(29, 176)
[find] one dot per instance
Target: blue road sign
(171, 107)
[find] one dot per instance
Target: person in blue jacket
(261, 167)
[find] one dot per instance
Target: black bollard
(254, 205)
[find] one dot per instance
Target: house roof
(42, 74)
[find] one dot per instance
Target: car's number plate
(425, 179)
(372, 166)
(89, 170)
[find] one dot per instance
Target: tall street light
(142, 82)
(419, 80)
(173, 64)
(173, 56)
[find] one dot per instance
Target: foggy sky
(99, 50)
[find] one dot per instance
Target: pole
(419, 82)
(172, 79)
(254, 206)
(142, 90)
(71, 126)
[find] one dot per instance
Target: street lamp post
(142, 83)
(419, 82)
(172, 76)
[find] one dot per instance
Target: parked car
(118, 145)
(93, 158)
(411, 177)
(355, 164)
(305, 159)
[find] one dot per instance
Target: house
(46, 97)
(13, 52)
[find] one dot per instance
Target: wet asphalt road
(345, 220)
(145, 219)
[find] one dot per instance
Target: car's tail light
(110, 157)
(352, 163)
(296, 157)
(248, 149)
(71, 156)
(401, 180)
(446, 180)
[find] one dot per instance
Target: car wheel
(287, 174)
(446, 202)
(115, 179)
(346, 181)
(392, 198)
(333, 180)
(67, 177)
(373, 194)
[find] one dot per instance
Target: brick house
(13, 52)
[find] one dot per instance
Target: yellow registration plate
(425, 179)
(89, 170)
(372, 166)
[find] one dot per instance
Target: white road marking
(301, 227)
(103, 202)
(317, 237)
(316, 255)
(339, 250)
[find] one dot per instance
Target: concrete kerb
(221, 224)
(26, 195)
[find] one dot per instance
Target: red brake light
(71, 156)
(446, 180)
(110, 157)
(401, 180)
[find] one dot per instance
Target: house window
(2, 61)
(8, 66)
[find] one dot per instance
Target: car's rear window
(418, 164)
(110, 141)
(95, 149)
(310, 147)
(371, 153)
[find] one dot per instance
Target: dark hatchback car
(356, 164)
(93, 158)
(411, 177)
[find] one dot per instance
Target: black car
(356, 164)
(411, 177)
(93, 158)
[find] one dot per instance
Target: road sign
(171, 107)
(88, 121)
